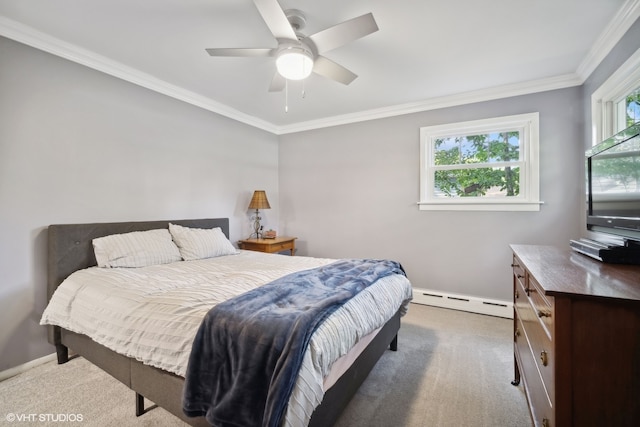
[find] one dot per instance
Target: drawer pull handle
(545, 422)
(543, 358)
(517, 294)
(519, 276)
(516, 334)
(542, 314)
(515, 265)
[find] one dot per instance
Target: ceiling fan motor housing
(296, 18)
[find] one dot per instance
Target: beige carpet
(451, 369)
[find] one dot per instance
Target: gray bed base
(71, 249)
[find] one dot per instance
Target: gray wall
(351, 191)
(77, 145)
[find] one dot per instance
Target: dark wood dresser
(576, 337)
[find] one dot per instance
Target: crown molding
(39, 40)
(622, 21)
(613, 32)
(498, 92)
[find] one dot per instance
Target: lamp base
(257, 227)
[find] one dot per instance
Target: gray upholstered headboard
(71, 248)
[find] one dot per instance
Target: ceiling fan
(297, 55)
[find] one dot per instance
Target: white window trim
(603, 114)
(529, 197)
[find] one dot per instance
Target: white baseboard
(463, 302)
(11, 372)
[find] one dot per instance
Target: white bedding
(152, 313)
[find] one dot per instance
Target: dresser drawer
(539, 400)
(541, 348)
(542, 305)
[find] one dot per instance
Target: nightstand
(270, 246)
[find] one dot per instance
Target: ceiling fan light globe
(294, 64)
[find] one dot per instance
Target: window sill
(519, 206)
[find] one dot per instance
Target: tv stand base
(629, 253)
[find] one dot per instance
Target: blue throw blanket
(248, 350)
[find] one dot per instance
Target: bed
(71, 250)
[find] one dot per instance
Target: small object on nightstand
(270, 234)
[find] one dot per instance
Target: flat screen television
(613, 186)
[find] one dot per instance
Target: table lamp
(258, 201)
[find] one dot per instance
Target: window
(615, 104)
(627, 110)
(489, 164)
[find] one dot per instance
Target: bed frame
(71, 249)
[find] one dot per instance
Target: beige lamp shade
(259, 200)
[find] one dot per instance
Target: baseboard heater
(464, 303)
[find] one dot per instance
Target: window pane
(477, 182)
(627, 110)
(470, 149)
(632, 107)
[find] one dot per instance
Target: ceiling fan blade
(327, 68)
(238, 52)
(277, 83)
(275, 19)
(345, 32)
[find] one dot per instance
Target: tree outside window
(482, 153)
(632, 108)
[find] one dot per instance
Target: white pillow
(136, 249)
(199, 243)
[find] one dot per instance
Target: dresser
(576, 337)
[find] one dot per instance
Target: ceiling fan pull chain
(304, 92)
(286, 96)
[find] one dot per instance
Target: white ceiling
(427, 53)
